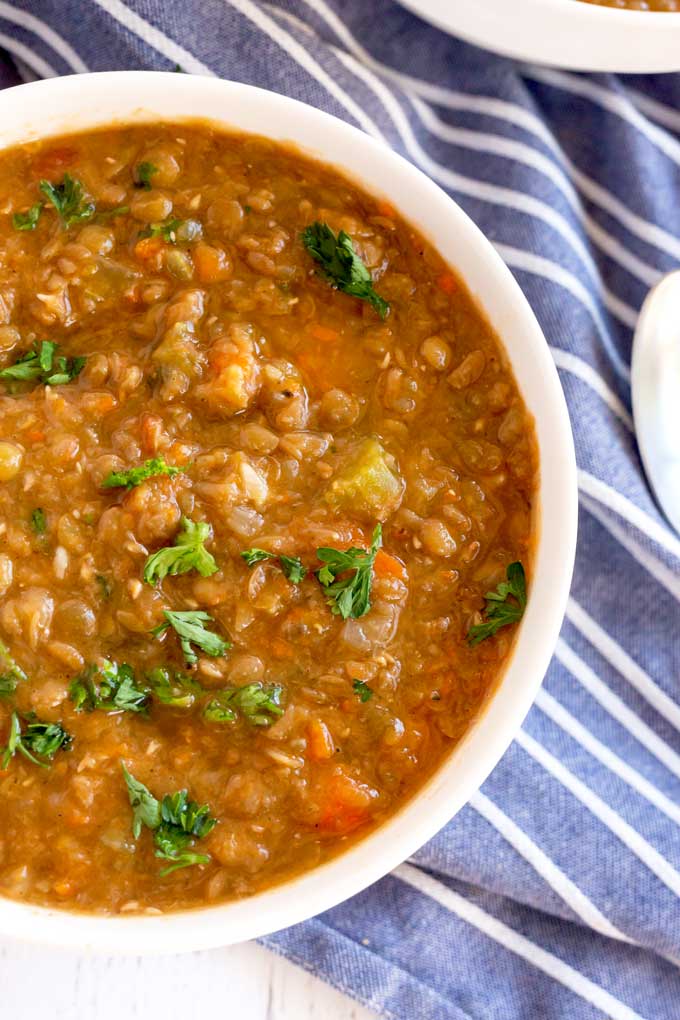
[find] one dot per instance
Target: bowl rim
(75, 102)
(563, 33)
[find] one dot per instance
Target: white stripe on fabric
(655, 862)
(527, 261)
(36, 63)
(44, 32)
(647, 231)
(616, 707)
(527, 155)
(629, 511)
(300, 55)
(498, 145)
(623, 663)
(567, 722)
(153, 37)
(654, 566)
(516, 943)
(492, 193)
(439, 94)
(558, 881)
(576, 366)
(608, 100)
(666, 115)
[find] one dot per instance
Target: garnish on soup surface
(266, 487)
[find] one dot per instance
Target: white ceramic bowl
(562, 33)
(87, 101)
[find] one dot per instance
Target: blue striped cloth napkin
(554, 894)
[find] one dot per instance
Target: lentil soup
(266, 513)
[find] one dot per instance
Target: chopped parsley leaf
(8, 685)
(346, 577)
(190, 629)
(290, 565)
(167, 230)
(341, 265)
(11, 674)
(30, 737)
(27, 220)
(259, 703)
(109, 688)
(504, 606)
(187, 553)
(176, 690)
(362, 690)
(146, 811)
(69, 201)
(105, 585)
(135, 476)
(41, 364)
(143, 173)
(175, 821)
(38, 521)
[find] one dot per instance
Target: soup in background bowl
(272, 511)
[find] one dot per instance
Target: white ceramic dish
(78, 103)
(562, 33)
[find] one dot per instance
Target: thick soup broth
(235, 375)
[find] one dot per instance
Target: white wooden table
(240, 983)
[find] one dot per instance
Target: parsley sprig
(109, 688)
(69, 201)
(362, 690)
(504, 606)
(135, 476)
(259, 703)
(187, 553)
(341, 265)
(189, 626)
(34, 739)
(143, 173)
(42, 364)
(346, 577)
(38, 521)
(290, 565)
(11, 674)
(27, 220)
(175, 821)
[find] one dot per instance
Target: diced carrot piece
(447, 282)
(211, 264)
(104, 403)
(64, 888)
(150, 429)
(48, 164)
(347, 804)
(35, 436)
(319, 741)
(148, 247)
(324, 333)
(389, 566)
(281, 649)
(387, 210)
